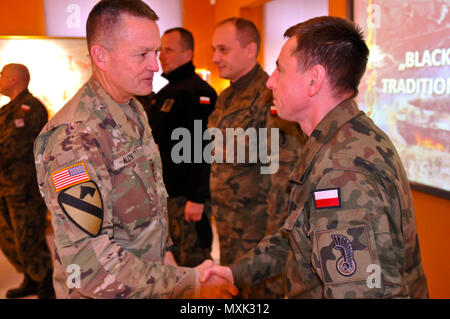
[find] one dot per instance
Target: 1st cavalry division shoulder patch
(83, 205)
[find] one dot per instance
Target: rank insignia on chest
(70, 176)
(327, 198)
(83, 205)
(205, 100)
(167, 105)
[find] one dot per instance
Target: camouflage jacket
(21, 120)
(110, 214)
(351, 230)
(248, 106)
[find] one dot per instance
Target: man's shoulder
(79, 108)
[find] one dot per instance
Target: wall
(279, 15)
(24, 17)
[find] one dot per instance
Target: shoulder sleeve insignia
(70, 176)
(83, 205)
(345, 265)
(167, 105)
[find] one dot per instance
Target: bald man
(22, 210)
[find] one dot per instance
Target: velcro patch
(327, 198)
(70, 176)
(344, 254)
(83, 205)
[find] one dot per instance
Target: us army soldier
(350, 210)
(99, 171)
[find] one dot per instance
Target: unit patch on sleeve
(83, 205)
(344, 254)
(70, 176)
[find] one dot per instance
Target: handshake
(216, 281)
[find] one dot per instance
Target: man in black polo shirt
(185, 103)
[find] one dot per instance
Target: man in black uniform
(184, 105)
(22, 210)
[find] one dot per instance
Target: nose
(153, 63)
(216, 57)
(271, 81)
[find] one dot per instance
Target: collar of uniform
(180, 72)
(21, 95)
(17, 99)
(244, 81)
(116, 111)
(324, 131)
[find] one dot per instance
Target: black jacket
(187, 97)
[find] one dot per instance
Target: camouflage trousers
(22, 234)
(240, 229)
(191, 242)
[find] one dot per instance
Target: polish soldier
(22, 210)
(246, 203)
(351, 228)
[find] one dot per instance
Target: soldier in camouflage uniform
(22, 210)
(351, 230)
(245, 201)
(99, 172)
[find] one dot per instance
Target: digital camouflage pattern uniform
(121, 196)
(328, 242)
(243, 203)
(22, 210)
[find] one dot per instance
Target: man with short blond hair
(247, 204)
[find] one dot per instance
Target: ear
(318, 75)
(100, 56)
(252, 49)
(189, 55)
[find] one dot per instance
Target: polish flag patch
(25, 107)
(327, 198)
(69, 176)
(273, 110)
(205, 100)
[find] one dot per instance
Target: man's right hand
(216, 282)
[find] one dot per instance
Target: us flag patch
(205, 100)
(327, 198)
(70, 176)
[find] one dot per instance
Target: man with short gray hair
(99, 172)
